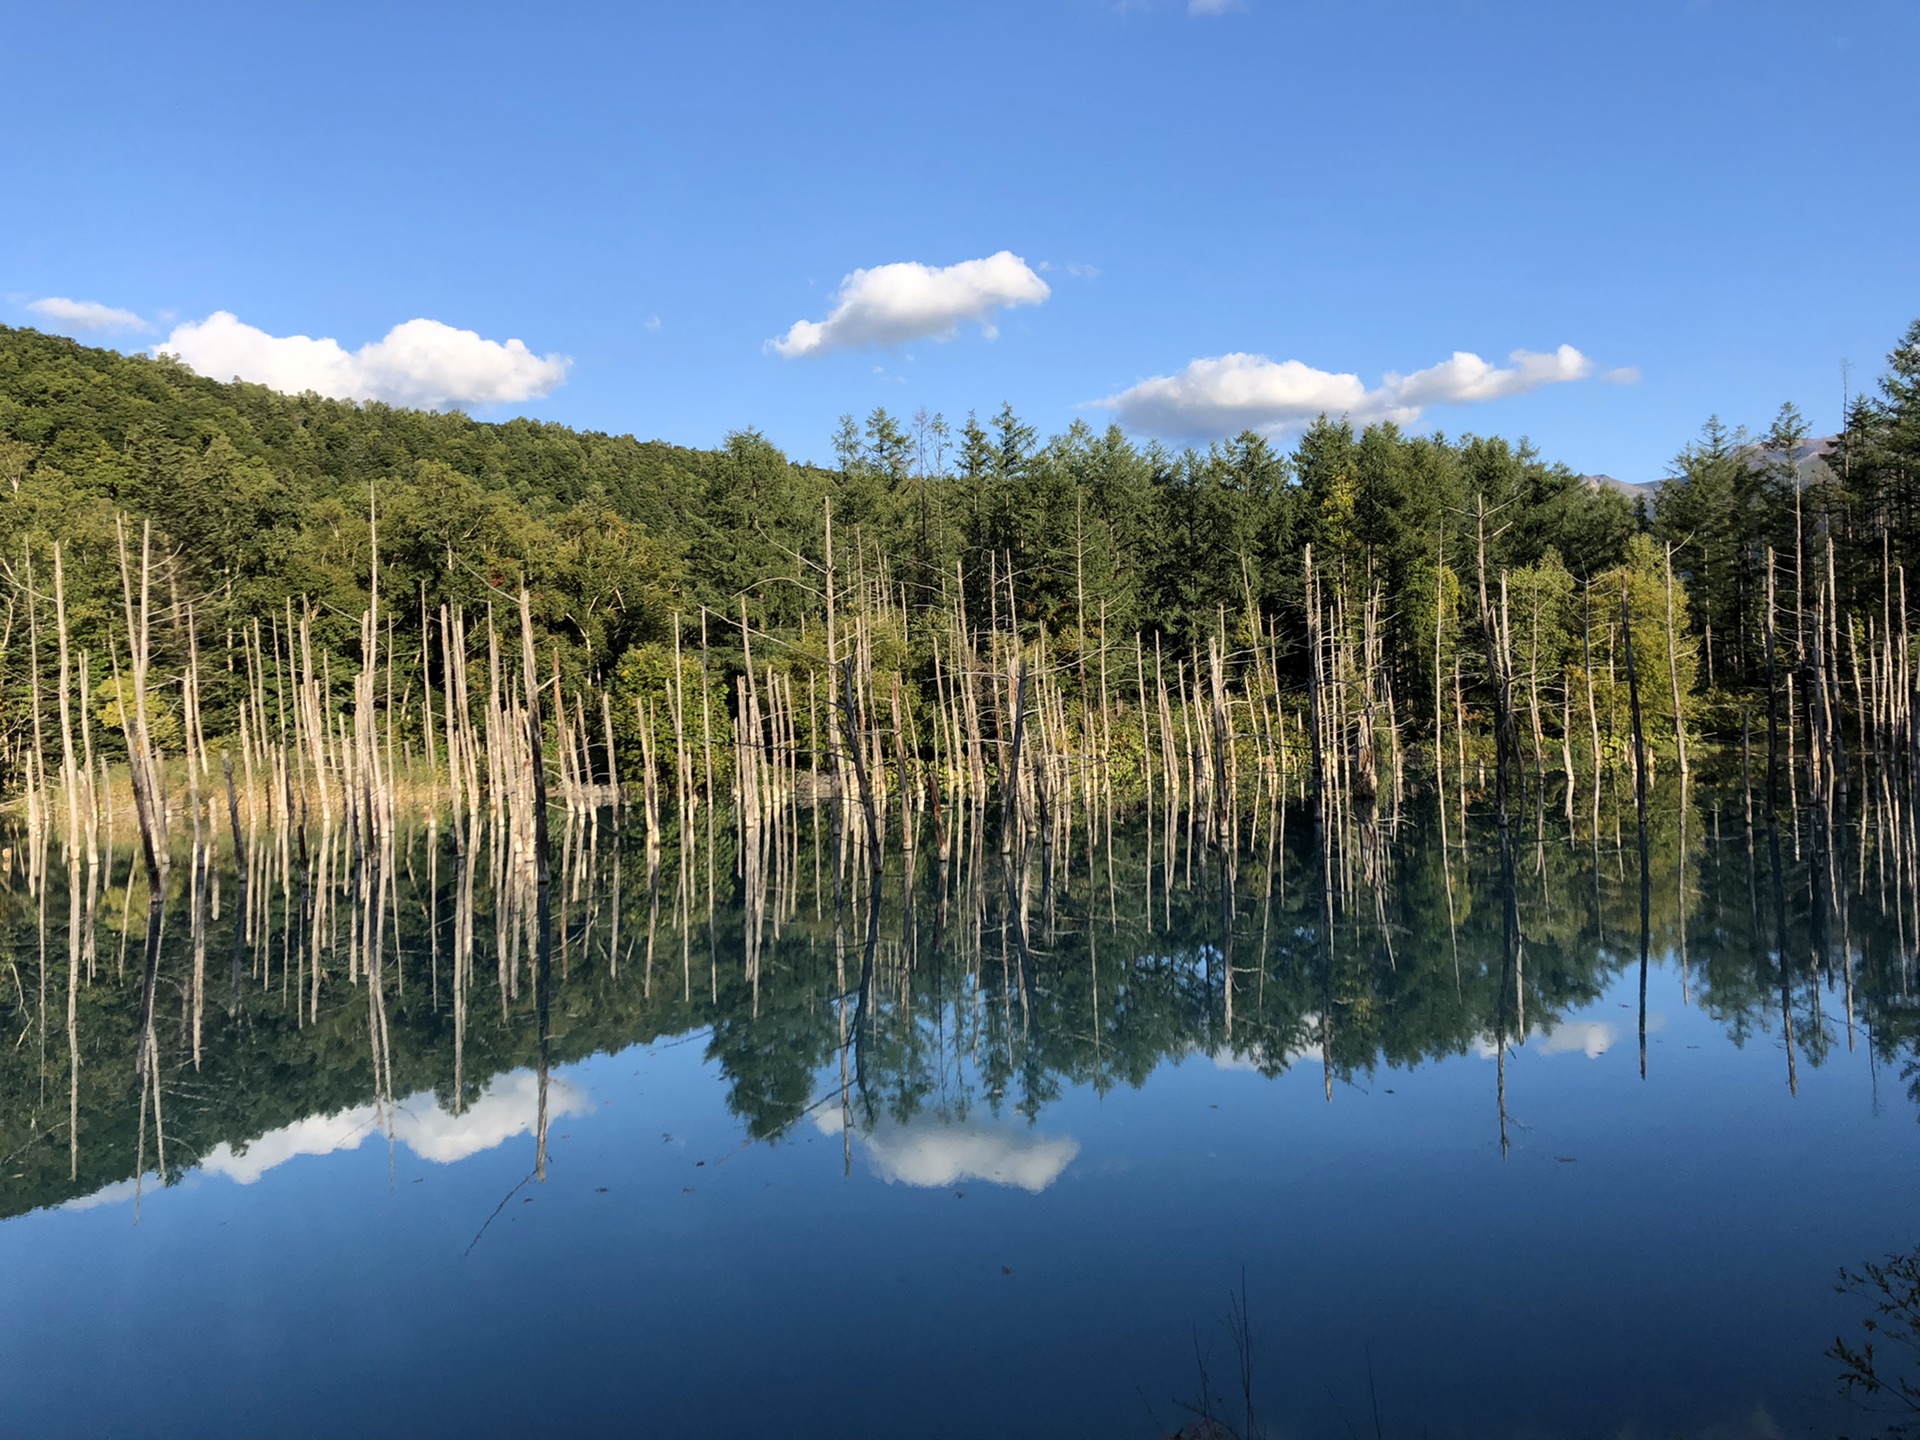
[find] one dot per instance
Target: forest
(1129, 965)
(394, 750)
(951, 586)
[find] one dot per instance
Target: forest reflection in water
(1002, 1030)
(326, 992)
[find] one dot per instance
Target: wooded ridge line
(345, 600)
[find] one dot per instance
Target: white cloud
(118, 1193)
(1258, 1058)
(86, 316)
(892, 304)
(420, 363)
(1253, 1058)
(934, 1154)
(1591, 1038)
(1237, 392)
(1240, 391)
(508, 1107)
(1466, 379)
(1625, 375)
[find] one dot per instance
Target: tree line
(1446, 586)
(939, 1016)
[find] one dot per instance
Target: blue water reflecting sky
(1648, 1258)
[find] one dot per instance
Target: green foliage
(643, 691)
(1418, 971)
(260, 505)
(114, 708)
(1637, 590)
(1852, 512)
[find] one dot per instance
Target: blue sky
(1717, 198)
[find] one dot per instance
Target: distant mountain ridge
(1632, 489)
(1810, 459)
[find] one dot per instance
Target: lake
(1000, 1146)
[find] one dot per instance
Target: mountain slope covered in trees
(260, 504)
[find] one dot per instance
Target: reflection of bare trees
(1883, 1379)
(953, 977)
(1230, 1413)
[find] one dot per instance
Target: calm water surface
(758, 1157)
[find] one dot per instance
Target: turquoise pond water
(993, 1157)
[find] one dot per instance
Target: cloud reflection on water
(932, 1154)
(117, 1193)
(1592, 1038)
(509, 1106)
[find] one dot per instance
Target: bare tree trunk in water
(1640, 811)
